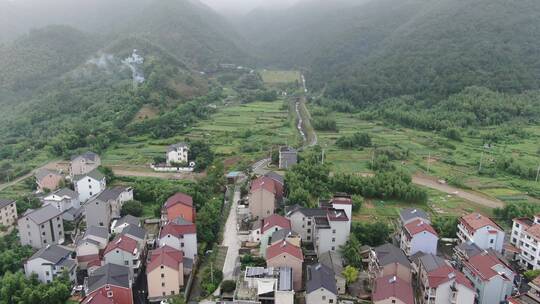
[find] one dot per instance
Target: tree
(357, 201)
(446, 226)
(531, 274)
(228, 286)
(108, 172)
(351, 274)
(134, 208)
(350, 252)
(372, 234)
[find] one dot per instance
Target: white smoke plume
(135, 62)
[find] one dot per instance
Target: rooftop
(389, 254)
(122, 242)
(95, 174)
(100, 232)
(284, 247)
(111, 274)
(111, 193)
(282, 234)
(64, 192)
(392, 287)
(54, 254)
(175, 229)
(87, 155)
(418, 226)
(273, 221)
(475, 221)
(320, 276)
(408, 214)
(484, 265)
(135, 231)
(179, 198)
(42, 214)
(42, 173)
(177, 146)
(165, 256)
(332, 260)
(5, 202)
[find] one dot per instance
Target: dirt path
(431, 182)
(124, 172)
(53, 165)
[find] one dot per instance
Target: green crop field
(280, 77)
(433, 154)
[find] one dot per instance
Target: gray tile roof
(388, 254)
(101, 232)
(287, 149)
(111, 193)
(470, 249)
(42, 173)
(411, 213)
(276, 177)
(112, 274)
(95, 174)
(42, 214)
(66, 192)
(5, 202)
(135, 231)
(431, 262)
(87, 155)
(52, 253)
(281, 234)
(176, 146)
(128, 219)
(73, 213)
(320, 276)
(332, 259)
(309, 212)
(181, 221)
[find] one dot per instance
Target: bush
(354, 141)
(228, 286)
(134, 208)
(325, 124)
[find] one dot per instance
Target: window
(162, 275)
(491, 241)
(163, 284)
(331, 301)
(47, 273)
(324, 298)
(517, 225)
(126, 263)
(334, 231)
(91, 195)
(309, 231)
(333, 247)
(393, 301)
(44, 241)
(333, 239)
(172, 292)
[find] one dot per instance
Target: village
(275, 252)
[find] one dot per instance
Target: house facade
(89, 247)
(8, 212)
(109, 283)
(165, 273)
(89, 184)
(263, 197)
(84, 163)
(303, 221)
(525, 237)
(48, 180)
(531, 297)
(492, 278)
(288, 157)
(177, 154)
(418, 236)
(50, 262)
(480, 230)
(63, 199)
(181, 235)
(440, 283)
(118, 225)
(116, 197)
(285, 254)
(124, 251)
(180, 205)
(320, 285)
(388, 260)
(41, 227)
(332, 231)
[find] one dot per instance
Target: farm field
(433, 154)
(270, 77)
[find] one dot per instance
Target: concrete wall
(88, 187)
(321, 296)
(262, 203)
(172, 280)
(189, 244)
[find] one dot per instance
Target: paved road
(260, 167)
(231, 240)
(431, 182)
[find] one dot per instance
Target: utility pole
(428, 161)
(372, 158)
(322, 156)
(481, 159)
(537, 172)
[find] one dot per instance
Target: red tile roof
(284, 247)
(273, 221)
(264, 182)
(418, 226)
(166, 256)
(446, 273)
(534, 231)
(342, 200)
(97, 298)
(391, 286)
(179, 198)
(177, 230)
(482, 265)
(335, 215)
(121, 242)
(475, 221)
(524, 221)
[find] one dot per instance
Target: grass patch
(280, 77)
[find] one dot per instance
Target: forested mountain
(430, 49)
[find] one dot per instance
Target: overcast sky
(244, 6)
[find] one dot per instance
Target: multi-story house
(164, 273)
(418, 236)
(492, 278)
(8, 212)
(84, 163)
(109, 283)
(265, 285)
(264, 197)
(179, 205)
(388, 260)
(63, 199)
(125, 251)
(89, 247)
(320, 285)
(391, 289)
(89, 184)
(177, 154)
(137, 233)
(287, 235)
(102, 209)
(269, 225)
(116, 197)
(48, 180)
(333, 260)
(440, 283)
(288, 157)
(181, 235)
(50, 262)
(531, 297)
(285, 254)
(526, 238)
(480, 229)
(408, 215)
(41, 227)
(332, 231)
(303, 221)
